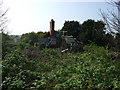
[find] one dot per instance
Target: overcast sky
(34, 15)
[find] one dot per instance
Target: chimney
(52, 25)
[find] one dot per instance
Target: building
(55, 40)
(52, 25)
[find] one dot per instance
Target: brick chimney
(52, 25)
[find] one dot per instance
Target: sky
(34, 15)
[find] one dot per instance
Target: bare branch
(3, 18)
(111, 18)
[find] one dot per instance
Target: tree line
(91, 31)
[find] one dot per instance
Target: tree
(3, 32)
(92, 31)
(112, 19)
(117, 38)
(87, 32)
(43, 34)
(30, 38)
(72, 28)
(3, 19)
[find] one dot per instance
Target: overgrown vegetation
(94, 63)
(91, 65)
(91, 69)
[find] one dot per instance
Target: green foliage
(50, 54)
(92, 31)
(117, 42)
(71, 28)
(42, 34)
(90, 69)
(5, 44)
(18, 71)
(98, 51)
(89, 31)
(77, 48)
(30, 38)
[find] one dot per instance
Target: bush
(91, 69)
(18, 70)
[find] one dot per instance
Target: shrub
(91, 69)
